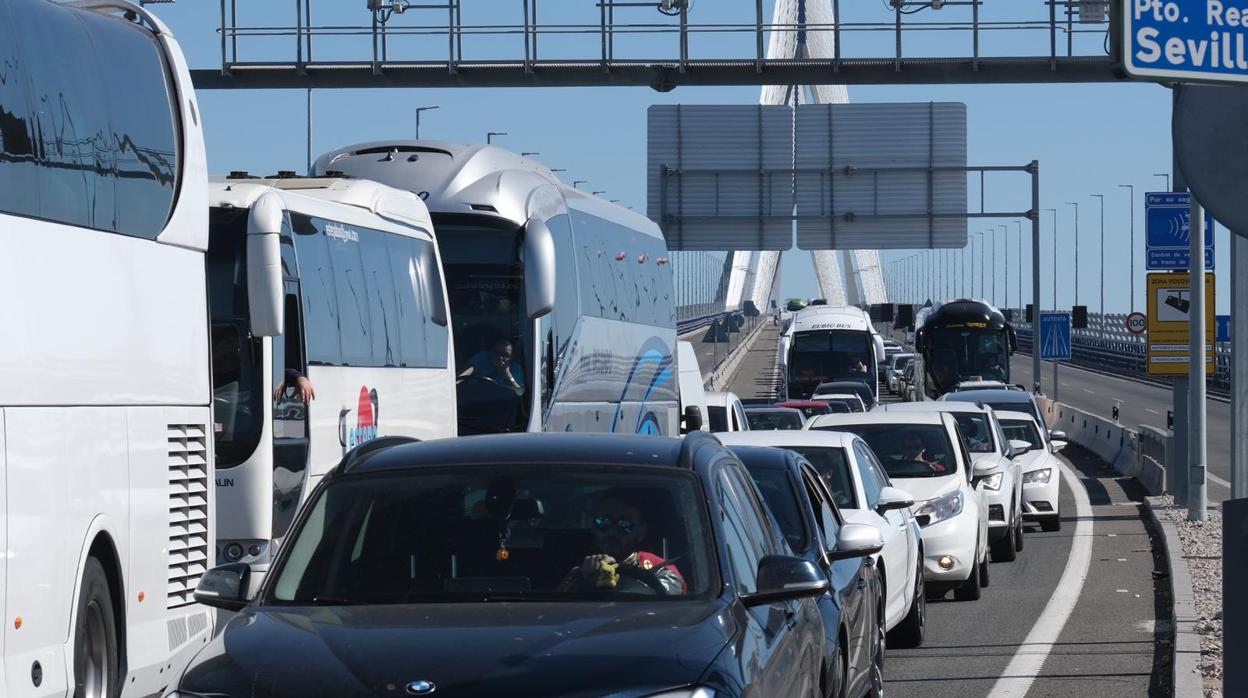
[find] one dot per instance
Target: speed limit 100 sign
(1137, 323)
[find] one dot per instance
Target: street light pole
(418, 111)
(1076, 205)
(489, 137)
(1167, 176)
(1054, 212)
(1131, 189)
(578, 182)
(1021, 304)
(1101, 197)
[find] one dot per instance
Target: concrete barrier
(1117, 445)
(725, 373)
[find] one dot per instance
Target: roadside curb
(1185, 653)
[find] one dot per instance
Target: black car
(853, 608)
(524, 565)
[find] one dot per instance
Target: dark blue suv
(524, 565)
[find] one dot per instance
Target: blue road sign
(1224, 328)
(1168, 225)
(1055, 336)
(1185, 40)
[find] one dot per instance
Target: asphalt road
(1142, 403)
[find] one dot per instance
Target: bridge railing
(1106, 345)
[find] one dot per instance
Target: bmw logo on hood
(421, 688)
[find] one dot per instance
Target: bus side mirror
(539, 268)
(879, 347)
(431, 279)
(692, 419)
(1013, 338)
(264, 266)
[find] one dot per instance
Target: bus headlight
(232, 552)
(941, 509)
(1040, 476)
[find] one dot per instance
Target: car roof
(855, 418)
(933, 406)
(524, 449)
(788, 439)
(762, 457)
(994, 395)
(773, 408)
(802, 403)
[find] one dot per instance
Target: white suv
(986, 441)
(864, 494)
(923, 453)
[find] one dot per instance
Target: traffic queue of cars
(780, 556)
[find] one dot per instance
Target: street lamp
(1019, 237)
(1131, 192)
(1005, 265)
(1037, 316)
(527, 154)
(1163, 174)
(578, 182)
(1076, 205)
(1101, 197)
(489, 137)
(418, 111)
(596, 193)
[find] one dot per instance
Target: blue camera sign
(1198, 40)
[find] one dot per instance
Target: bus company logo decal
(366, 420)
(341, 232)
(832, 326)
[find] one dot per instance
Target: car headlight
(993, 482)
(1042, 476)
(691, 692)
(940, 509)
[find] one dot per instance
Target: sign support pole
(1197, 447)
(1235, 510)
(1176, 473)
(1239, 366)
(1034, 214)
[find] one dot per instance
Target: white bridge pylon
(844, 276)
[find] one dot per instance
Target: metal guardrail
(1107, 346)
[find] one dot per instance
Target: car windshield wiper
(336, 601)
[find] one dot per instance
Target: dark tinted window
(833, 469)
(320, 300)
(774, 419)
(717, 417)
(19, 180)
(871, 485)
(1019, 430)
(95, 144)
(829, 523)
(743, 553)
(624, 274)
(976, 430)
(781, 498)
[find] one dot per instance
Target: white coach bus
(830, 344)
(328, 286)
(105, 455)
(562, 305)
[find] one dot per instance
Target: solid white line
(1217, 479)
(1089, 392)
(1153, 411)
(1029, 659)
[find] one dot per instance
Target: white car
(864, 494)
(986, 440)
(1042, 474)
(892, 375)
(923, 453)
(724, 412)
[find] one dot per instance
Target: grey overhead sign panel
(719, 176)
(862, 176)
(881, 176)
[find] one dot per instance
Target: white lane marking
(1089, 392)
(1217, 479)
(1023, 669)
(1152, 411)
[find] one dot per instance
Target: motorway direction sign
(1168, 221)
(1137, 323)
(1055, 336)
(1169, 305)
(1224, 328)
(1185, 40)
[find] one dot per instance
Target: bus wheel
(95, 637)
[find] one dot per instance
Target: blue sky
(1088, 138)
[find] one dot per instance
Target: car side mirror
(692, 420)
(856, 540)
(539, 268)
(1019, 447)
(224, 587)
(264, 266)
(1057, 436)
(892, 498)
(784, 578)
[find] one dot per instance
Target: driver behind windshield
(991, 368)
(620, 532)
(495, 365)
(916, 451)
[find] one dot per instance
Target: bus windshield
(823, 356)
(966, 354)
(485, 285)
(237, 375)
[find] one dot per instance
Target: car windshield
(977, 432)
(1022, 430)
(907, 450)
(1029, 407)
(774, 419)
(832, 466)
(478, 533)
(843, 405)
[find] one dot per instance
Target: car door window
(764, 531)
(742, 554)
(870, 483)
(821, 503)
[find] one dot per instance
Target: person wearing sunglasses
(620, 561)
